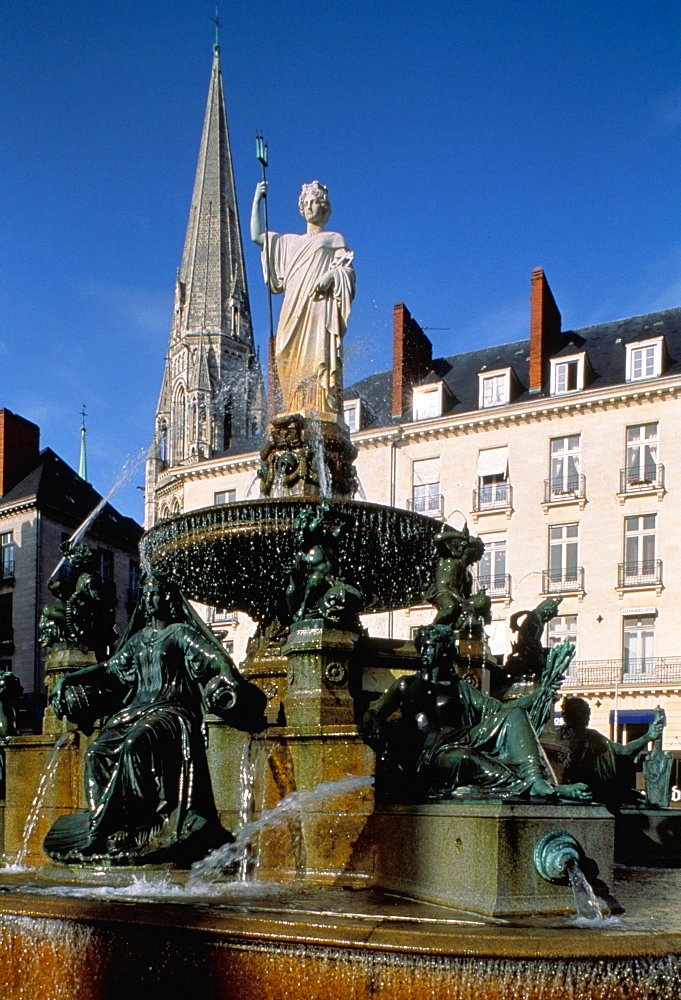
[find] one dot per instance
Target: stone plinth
(320, 675)
(479, 857)
(650, 838)
(307, 457)
(25, 760)
(58, 664)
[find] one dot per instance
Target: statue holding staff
(314, 271)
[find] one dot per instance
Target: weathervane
(218, 24)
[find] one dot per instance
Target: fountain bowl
(237, 556)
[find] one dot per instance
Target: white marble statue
(315, 272)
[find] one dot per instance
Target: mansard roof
(604, 344)
(66, 498)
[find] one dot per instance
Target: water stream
(587, 904)
(231, 854)
(44, 785)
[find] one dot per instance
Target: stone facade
(584, 502)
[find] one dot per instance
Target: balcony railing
(564, 489)
(641, 480)
(647, 671)
(497, 585)
(644, 573)
(7, 571)
(432, 505)
(496, 496)
(563, 581)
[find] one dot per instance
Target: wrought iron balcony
(496, 496)
(563, 581)
(643, 573)
(497, 585)
(432, 505)
(642, 480)
(615, 674)
(7, 572)
(564, 489)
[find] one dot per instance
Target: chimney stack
(545, 329)
(412, 358)
(19, 449)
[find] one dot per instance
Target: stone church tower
(212, 397)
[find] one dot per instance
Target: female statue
(146, 774)
(315, 273)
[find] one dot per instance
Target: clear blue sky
(464, 143)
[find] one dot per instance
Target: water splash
(44, 784)
(230, 854)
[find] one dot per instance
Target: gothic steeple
(212, 392)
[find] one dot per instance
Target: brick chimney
(19, 449)
(412, 357)
(545, 329)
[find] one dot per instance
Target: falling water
(44, 785)
(231, 854)
(317, 441)
(253, 758)
(587, 904)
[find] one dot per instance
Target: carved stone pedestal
(480, 857)
(307, 457)
(58, 664)
(320, 665)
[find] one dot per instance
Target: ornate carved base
(307, 457)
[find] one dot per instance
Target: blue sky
(464, 143)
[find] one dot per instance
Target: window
(565, 466)
(163, 441)
(427, 401)
(178, 427)
(638, 644)
(7, 555)
(494, 388)
(106, 565)
(493, 488)
(567, 375)
(641, 455)
(133, 579)
(644, 360)
(224, 496)
(639, 548)
(492, 566)
(562, 628)
(352, 409)
(6, 629)
(425, 494)
(564, 555)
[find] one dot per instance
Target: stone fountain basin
(238, 556)
(271, 944)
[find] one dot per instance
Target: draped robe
(311, 325)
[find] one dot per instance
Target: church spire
(212, 276)
(212, 393)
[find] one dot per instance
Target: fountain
(423, 885)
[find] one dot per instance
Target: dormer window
(644, 359)
(494, 387)
(567, 374)
(427, 401)
(352, 414)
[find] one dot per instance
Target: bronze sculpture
(83, 615)
(450, 740)
(146, 775)
(451, 591)
(604, 765)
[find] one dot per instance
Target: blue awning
(633, 716)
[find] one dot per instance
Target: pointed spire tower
(212, 394)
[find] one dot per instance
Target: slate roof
(65, 497)
(604, 344)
